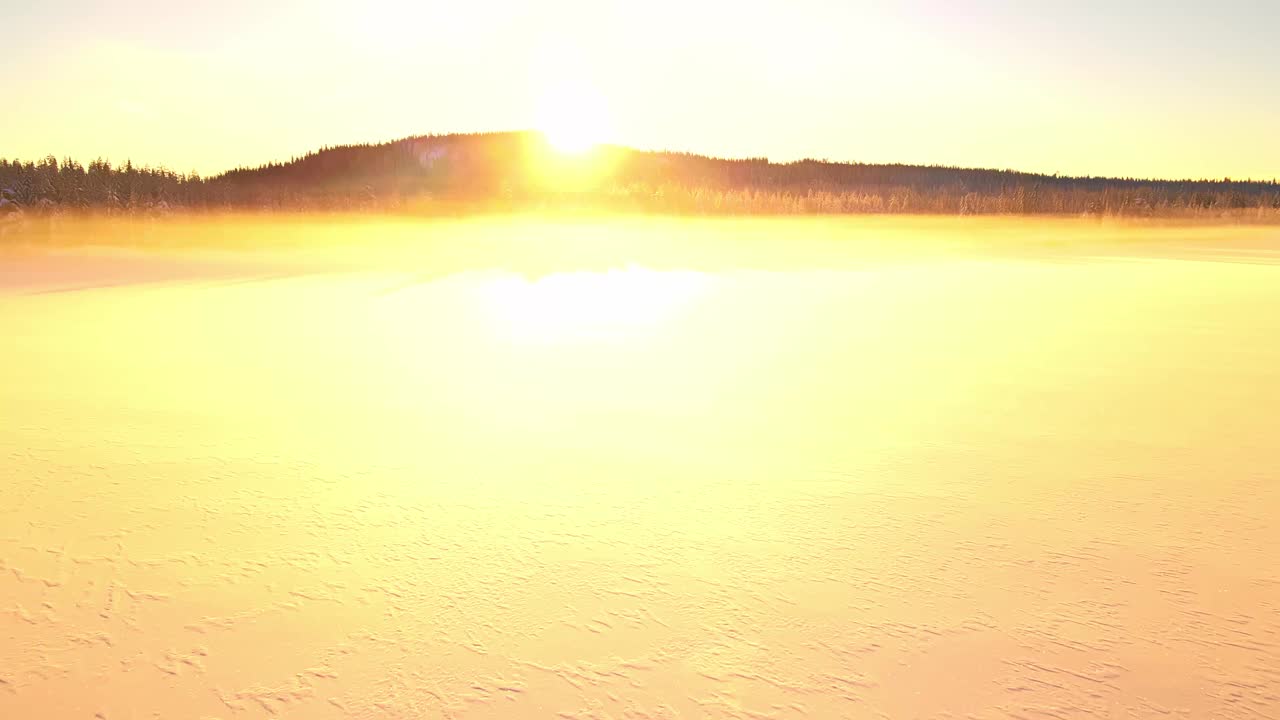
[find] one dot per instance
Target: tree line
(499, 171)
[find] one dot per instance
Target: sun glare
(570, 139)
(588, 306)
(572, 119)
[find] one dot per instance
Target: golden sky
(1117, 88)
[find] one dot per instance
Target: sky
(1144, 88)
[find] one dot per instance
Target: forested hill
(517, 171)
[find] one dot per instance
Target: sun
(572, 119)
(570, 138)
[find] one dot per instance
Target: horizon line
(1274, 180)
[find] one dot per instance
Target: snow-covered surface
(678, 469)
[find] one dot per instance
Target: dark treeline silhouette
(510, 171)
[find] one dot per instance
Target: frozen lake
(636, 469)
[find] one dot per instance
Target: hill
(510, 171)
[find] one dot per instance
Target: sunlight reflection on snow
(588, 306)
